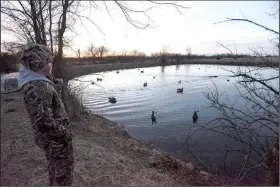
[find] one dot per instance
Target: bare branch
(246, 20)
(108, 10)
(252, 79)
(80, 18)
(226, 48)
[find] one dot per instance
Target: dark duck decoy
(153, 117)
(180, 90)
(117, 72)
(195, 117)
(99, 79)
(145, 84)
(112, 99)
(154, 77)
(142, 71)
(179, 81)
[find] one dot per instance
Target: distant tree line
(159, 56)
(102, 54)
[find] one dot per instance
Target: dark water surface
(174, 111)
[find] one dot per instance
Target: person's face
(46, 70)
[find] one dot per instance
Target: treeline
(10, 60)
(152, 57)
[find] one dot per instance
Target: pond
(173, 110)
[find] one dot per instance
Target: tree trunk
(59, 69)
(35, 24)
(50, 28)
(272, 172)
(42, 24)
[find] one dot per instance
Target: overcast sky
(195, 29)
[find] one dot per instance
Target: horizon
(195, 29)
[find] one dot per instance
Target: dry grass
(105, 154)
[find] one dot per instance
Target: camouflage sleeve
(38, 100)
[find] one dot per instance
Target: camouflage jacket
(45, 108)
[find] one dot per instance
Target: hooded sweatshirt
(25, 76)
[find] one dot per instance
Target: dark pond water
(174, 111)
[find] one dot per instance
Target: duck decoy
(92, 82)
(180, 90)
(153, 117)
(154, 77)
(142, 71)
(112, 100)
(179, 81)
(227, 80)
(145, 84)
(9, 100)
(99, 79)
(11, 110)
(195, 117)
(117, 72)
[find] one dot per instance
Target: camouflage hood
(26, 75)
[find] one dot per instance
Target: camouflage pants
(60, 159)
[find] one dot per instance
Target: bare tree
(137, 54)
(134, 53)
(46, 22)
(91, 51)
(101, 51)
(253, 125)
(28, 20)
(164, 53)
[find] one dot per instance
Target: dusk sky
(195, 29)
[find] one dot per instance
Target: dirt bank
(105, 154)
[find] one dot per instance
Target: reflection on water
(135, 103)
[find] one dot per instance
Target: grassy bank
(105, 154)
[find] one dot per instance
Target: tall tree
(46, 22)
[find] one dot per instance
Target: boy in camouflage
(47, 114)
